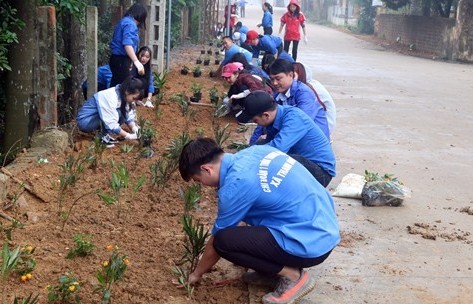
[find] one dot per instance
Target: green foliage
(66, 291)
(213, 95)
(9, 260)
(373, 177)
(191, 197)
(146, 133)
(83, 246)
(196, 236)
(175, 148)
(366, 18)
(29, 300)
(26, 263)
(9, 24)
(200, 132)
(183, 280)
(197, 69)
(126, 148)
(112, 271)
(196, 88)
(221, 134)
(161, 171)
(9, 229)
(120, 185)
(159, 80)
(237, 145)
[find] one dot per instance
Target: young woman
(293, 19)
(267, 21)
(125, 42)
(144, 56)
(241, 84)
(108, 109)
(251, 68)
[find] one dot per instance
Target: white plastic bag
(351, 186)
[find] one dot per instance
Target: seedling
(237, 145)
(9, 261)
(213, 95)
(196, 237)
(66, 291)
(119, 185)
(66, 214)
(197, 71)
(175, 148)
(26, 263)
(184, 70)
(71, 170)
(161, 171)
(221, 134)
(200, 132)
(191, 197)
(83, 246)
(242, 129)
(146, 133)
(159, 80)
(126, 148)
(9, 229)
(29, 300)
(111, 271)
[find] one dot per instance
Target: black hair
(269, 7)
(227, 37)
(131, 85)
(267, 61)
(296, 11)
(239, 57)
(281, 66)
(238, 24)
(139, 12)
(147, 67)
(197, 153)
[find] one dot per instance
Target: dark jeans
(120, 67)
(295, 44)
(267, 30)
(255, 247)
(320, 174)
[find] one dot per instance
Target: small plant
(198, 60)
(66, 291)
(175, 148)
(373, 177)
(126, 148)
(66, 214)
(161, 171)
(191, 197)
(71, 170)
(183, 279)
(96, 150)
(146, 133)
(120, 184)
(159, 80)
(26, 263)
(207, 59)
(9, 229)
(83, 246)
(221, 134)
(196, 91)
(111, 271)
(197, 71)
(213, 95)
(9, 260)
(29, 300)
(237, 145)
(242, 129)
(200, 132)
(185, 70)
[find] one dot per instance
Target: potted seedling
(197, 72)
(211, 43)
(185, 70)
(206, 60)
(202, 51)
(213, 95)
(199, 60)
(218, 57)
(197, 92)
(209, 51)
(213, 73)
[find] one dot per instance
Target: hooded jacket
(293, 22)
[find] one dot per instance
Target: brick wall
(429, 34)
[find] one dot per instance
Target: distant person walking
(242, 4)
(267, 21)
(125, 43)
(293, 19)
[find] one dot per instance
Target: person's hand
(131, 136)
(149, 103)
(139, 67)
(135, 129)
(193, 278)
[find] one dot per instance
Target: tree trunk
(20, 91)
(463, 29)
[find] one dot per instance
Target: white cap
(236, 36)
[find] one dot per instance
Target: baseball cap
(231, 68)
(251, 35)
(236, 36)
(254, 104)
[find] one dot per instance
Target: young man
(267, 43)
(290, 130)
(291, 218)
(230, 50)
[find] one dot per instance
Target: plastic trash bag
(351, 186)
(384, 193)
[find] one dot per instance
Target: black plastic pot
(207, 62)
(211, 43)
(209, 52)
(198, 61)
(219, 45)
(198, 95)
(217, 61)
(212, 74)
(184, 72)
(195, 99)
(216, 52)
(202, 52)
(197, 74)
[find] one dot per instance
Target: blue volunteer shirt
(125, 33)
(235, 49)
(263, 186)
(267, 19)
(293, 132)
(267, 43)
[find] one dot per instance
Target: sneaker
(108, 140)
(289, 291)
(256, 278)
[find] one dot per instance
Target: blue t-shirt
(267, 19)
(293, 132)
(125, 33)
(267, 43)
(235, 49)
(263, 186)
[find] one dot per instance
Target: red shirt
(292, 25)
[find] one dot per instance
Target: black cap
(255, 103)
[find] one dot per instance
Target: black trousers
(320, 174)
(120, 67)
(255, 247)
(267, 30)
(295, 45)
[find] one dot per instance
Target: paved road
(413, 118)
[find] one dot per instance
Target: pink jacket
(293, 22)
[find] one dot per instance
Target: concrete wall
(429, 34)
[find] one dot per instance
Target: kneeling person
(292, 131)
(292, 220)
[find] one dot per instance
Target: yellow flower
(109, 247)
(72, 287)
(47, 287)
(105, 264)
(29, 275)
(29, 248)
(75, 283)
(126, 261)
(116, 247)
(24, 278)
